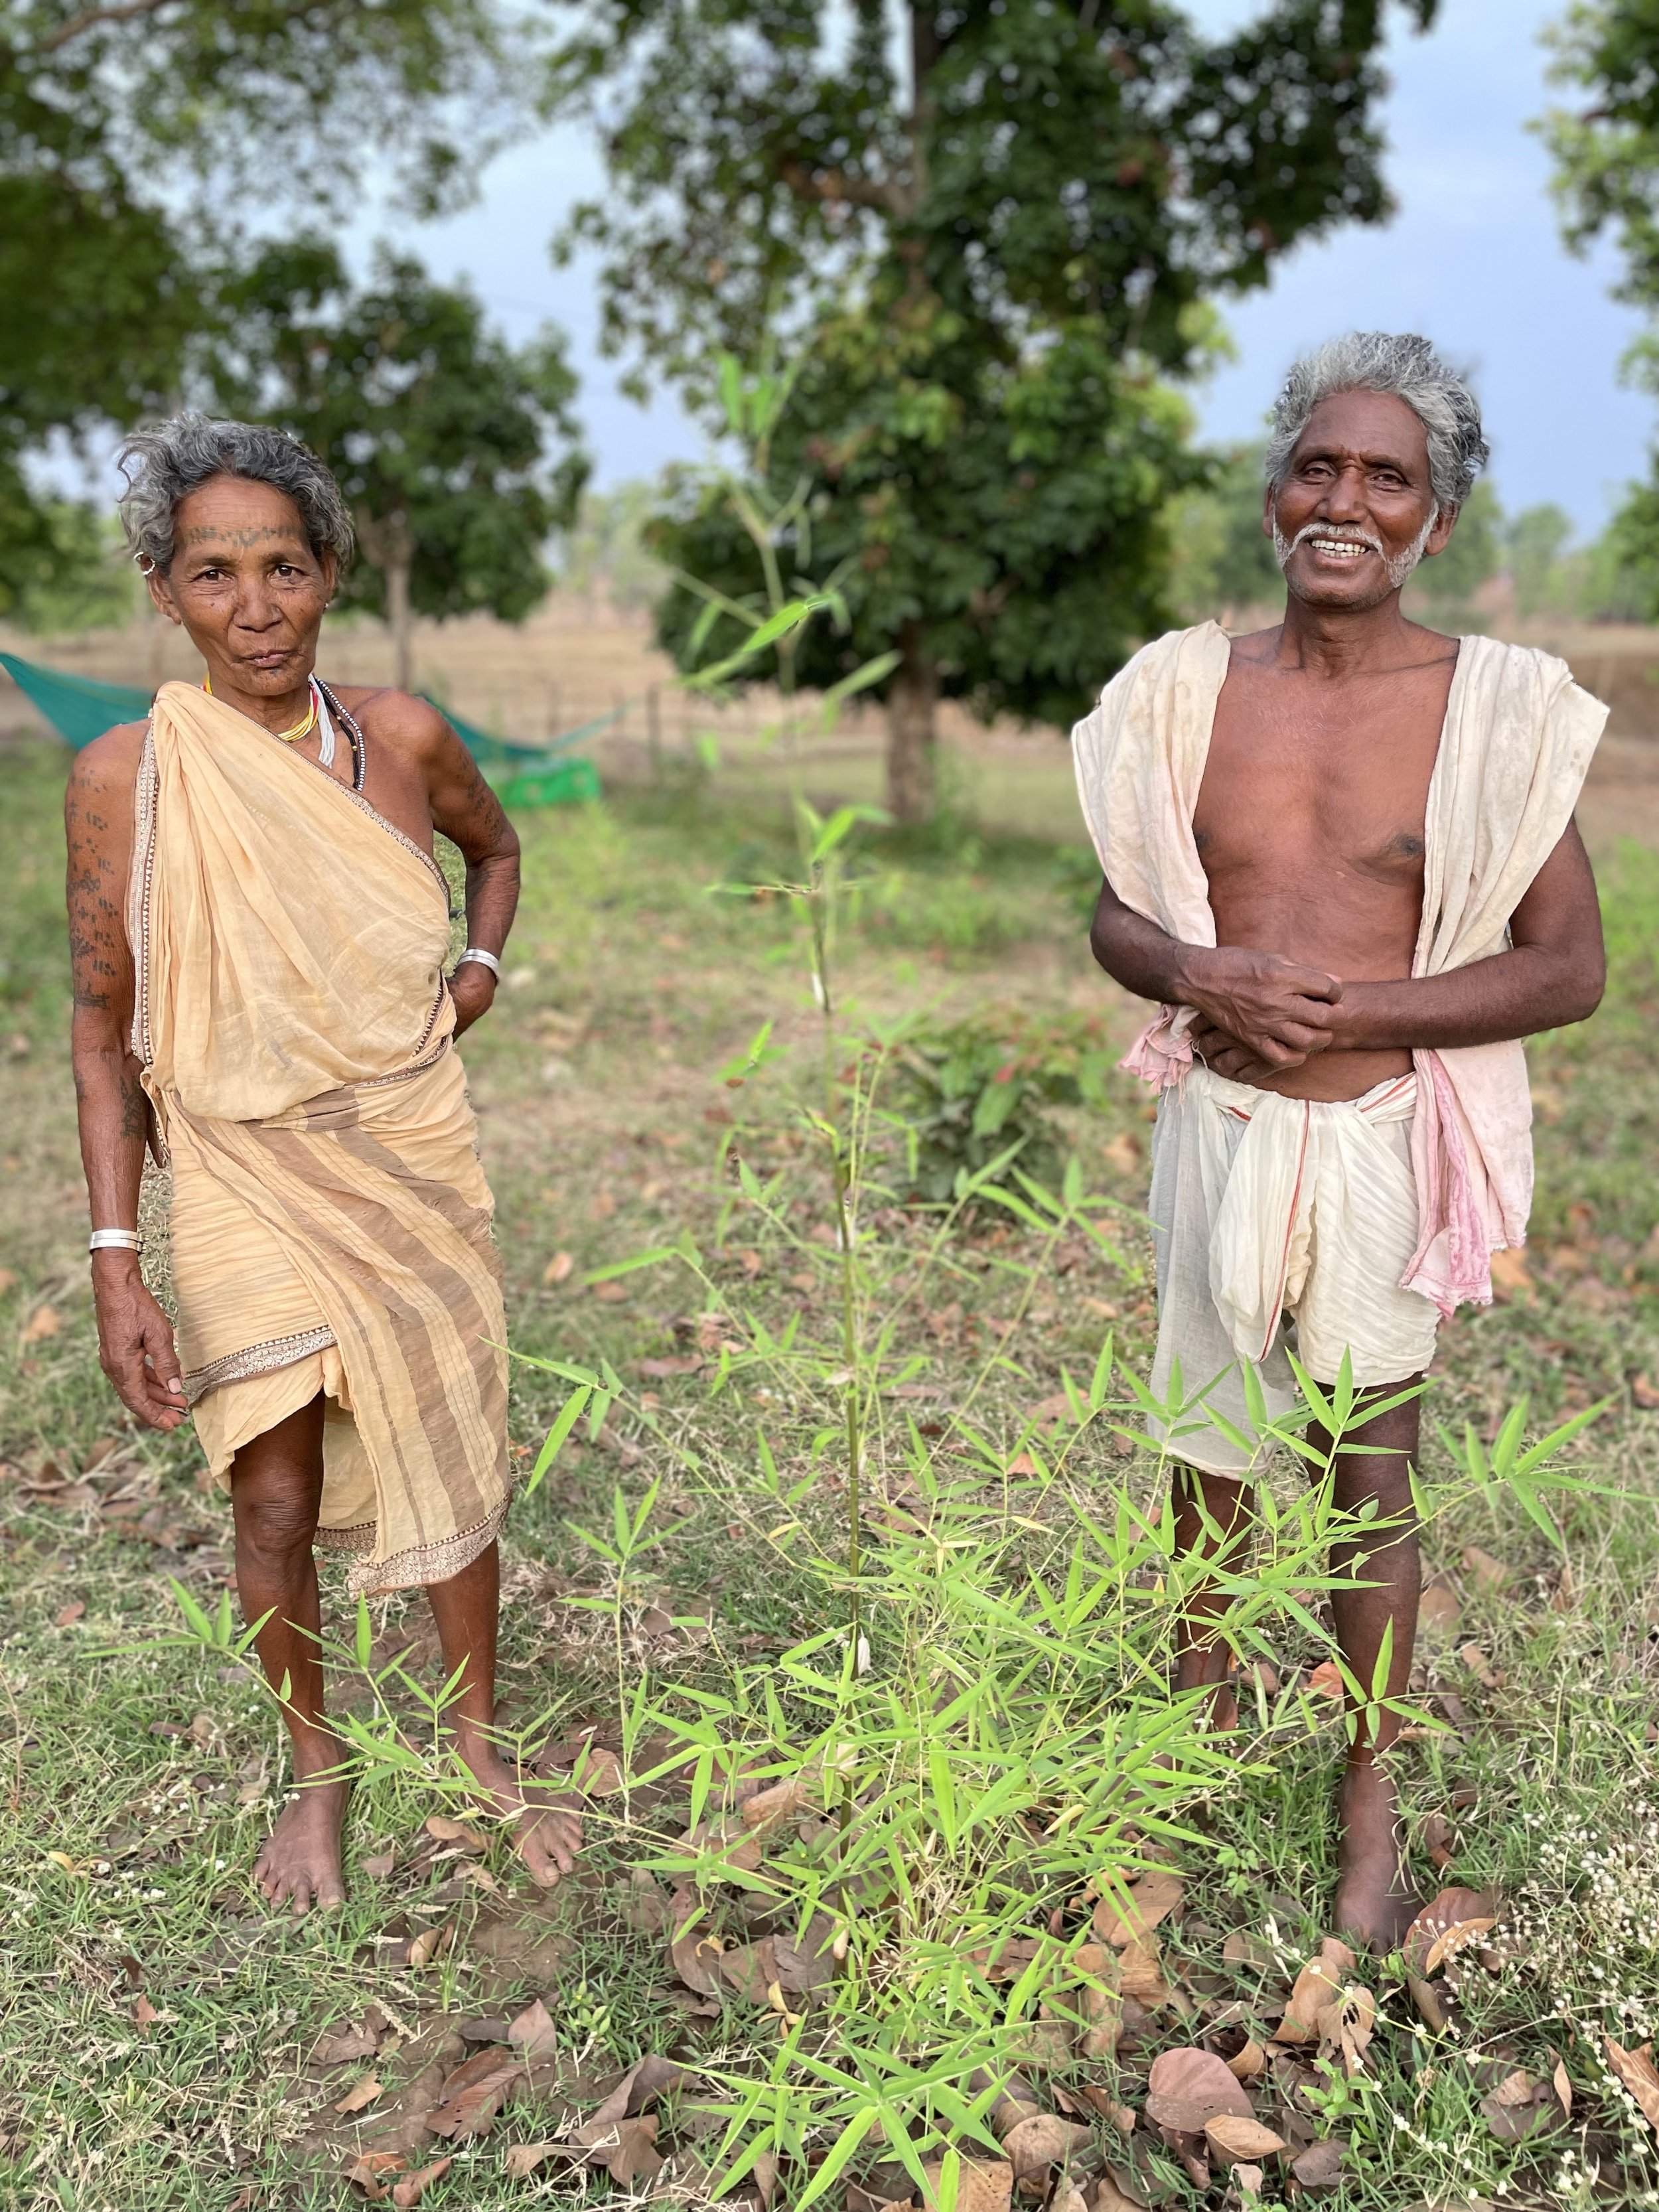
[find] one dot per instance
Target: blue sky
(1473, 258)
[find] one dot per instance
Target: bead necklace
(302, 728)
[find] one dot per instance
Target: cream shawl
(328, 1206)
(1517, 743)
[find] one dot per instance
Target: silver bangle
(484, 960)
(115, 1240)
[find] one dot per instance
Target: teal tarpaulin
(79, 707)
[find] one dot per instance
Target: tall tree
(938, 199)
(457, 453)
(1607, 182)
(133, 135)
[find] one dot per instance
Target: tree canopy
(133, 136)
(1607, 181)
(988, 227)
(457, 452)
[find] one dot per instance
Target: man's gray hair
(1408, 368)
(167, 461)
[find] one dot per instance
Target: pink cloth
(1518, 738)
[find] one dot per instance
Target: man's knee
(279, 1526)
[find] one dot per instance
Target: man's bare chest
(1344, 788)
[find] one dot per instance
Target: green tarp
(80, 709)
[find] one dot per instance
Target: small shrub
(965, 1094)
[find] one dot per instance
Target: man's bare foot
(299, 1864)
(1375, 1903)
(545, 1825)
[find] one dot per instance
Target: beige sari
(329, 1223)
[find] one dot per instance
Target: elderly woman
(259, 931)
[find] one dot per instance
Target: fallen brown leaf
(1233, 2138)
(1560, 2081)
(1317, 1988)
(1440, 1931)
(339, 2047)
(145, 2014)
(45, 1322)
(1349, 2026)
(557, 1269)
(1140, 1974)
(1247, 2064)
(1122, 1153)
(627, 2149)
(1152, 1899)
(1486, 1572)
(1510, 1277)
(379, 1867)
(1479, 1665)
(443, 1830)
(431, 1943)
(1326, 1680)
(369, 2174)
(1438, 1608)
(533, 2033)
(71, 1614)
(981, 2186)
(360, 2094)
(1188, 2088)
(1243, 1949)
(809, 1964)
(475, 2093)
(1319, 2167)
(522, 2160)
(1635, 2069)
(1430, 2010)
(1043, 2140)
(413, 2186)
(1109, 2197)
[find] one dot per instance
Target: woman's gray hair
(1409, 368)
(166, 462)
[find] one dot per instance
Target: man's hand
(1258, 1011)
(134, 1343)
(473, 987)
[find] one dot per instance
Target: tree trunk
(400, 618)
(388, 544)
(911, 696)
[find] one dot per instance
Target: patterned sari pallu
(330, 1223)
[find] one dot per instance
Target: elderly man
(1341, 853)
(259, 931)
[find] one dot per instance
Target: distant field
(580, 663)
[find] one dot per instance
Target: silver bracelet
(115, 1240)
(484, 960)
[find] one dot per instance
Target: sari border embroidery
(422, 1564)
(140, 879)
(253, 1360)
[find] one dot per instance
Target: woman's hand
(135, 1342)
(473, 987)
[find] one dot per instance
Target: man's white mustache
(1337, 537)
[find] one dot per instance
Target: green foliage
(1222, 557)
(604, 547)
(1473, 555)
(1537, 537)
(1032, 164)
(126, 133)
(997, 522)
(988, 239)
(62, 565)
(963, 1096)
(439, 431)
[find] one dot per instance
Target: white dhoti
(1281, 1225)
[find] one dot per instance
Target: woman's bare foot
(1375, 1903)
(299, 1864)
(545, 1825)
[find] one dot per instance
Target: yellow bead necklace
(302, 728)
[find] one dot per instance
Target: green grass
(136, 1785)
